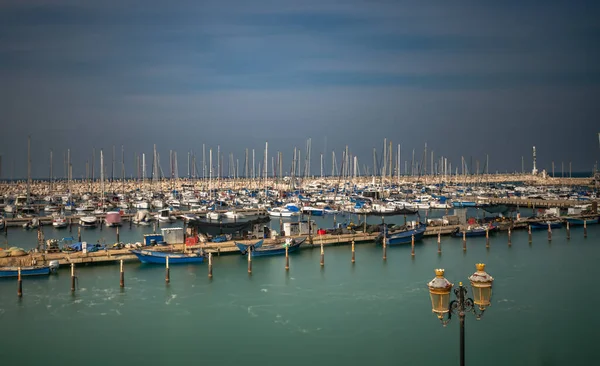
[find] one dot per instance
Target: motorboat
(88, 221)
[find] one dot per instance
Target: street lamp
(439, 291)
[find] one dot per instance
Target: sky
(469, 78)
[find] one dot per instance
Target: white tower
(534, 171)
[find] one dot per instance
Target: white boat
(164, 215)
(88, 221)
(234, 215)
(174, 203)
(51, 208)
(86, 207)
(59, 222)
(281, 212)
(212, 215)
(142, 218)
(141, 205)
(2, 223)
(158, 203)
(32, 224)
(189, 217)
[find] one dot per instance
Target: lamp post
(439, 291)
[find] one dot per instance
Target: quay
(228, 247)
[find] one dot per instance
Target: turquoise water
(372, 312)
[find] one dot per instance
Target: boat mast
(28, 167)
(101, 177)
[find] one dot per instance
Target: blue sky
(470, 78)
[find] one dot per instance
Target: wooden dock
(534, 203)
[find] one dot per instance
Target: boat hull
(577, 222)
(25, 271)
(544, 225)
(154, 257)
(405, 237)
(276, 250)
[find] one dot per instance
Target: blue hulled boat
(544, 225)
(405, 236)
(274, 249)
(590, 221)
(474, 231)
(29, 270)
(156, 257)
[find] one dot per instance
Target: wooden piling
(287, 258)
(19, 283)
(412, 245)
(72, 277)
(385, 243)
(353, 255)
(210, 275)
(568, 231)
(118, 241)
(5, 229)
(167, 271)
(549, 232)
(585, 228)
(529, 234)
(322, 255)
(439, 241)
(70, 225)
(487, 237)
(465, 240)
(122, 274)
(509, 237)
(154, 227)
(130, 222)
(249, 262)
(79, 233)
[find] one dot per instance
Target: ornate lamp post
(439, 291)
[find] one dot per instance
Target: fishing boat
(578, 221)
(59, 222)
(52, 267)
(88, 221)
(274, 249)
(541, 225)
(471, 231)
(404, 236)
(157, 257)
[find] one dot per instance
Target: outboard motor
(53, 266)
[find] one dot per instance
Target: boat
(164, 215)
(281, 212)
(404, 236)
(474, 231)
(541, 225)
(212, 215)
(274, 249)
(88, 221)
(244, 247)
(32, 224)
(578, 221)
(308, 210)
(189, 217)
(39, 270)
(59, 222)
(2, 223)
(156, 257)
(113, 218)
(142, 218)
(234, 215)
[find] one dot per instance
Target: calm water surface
(372, 312)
